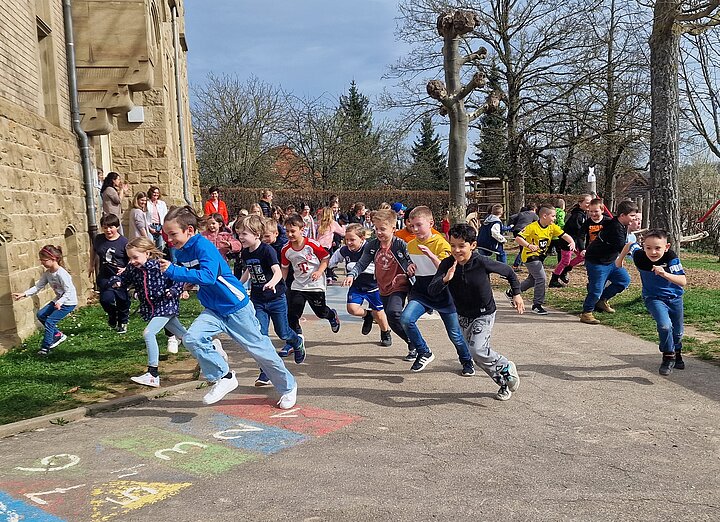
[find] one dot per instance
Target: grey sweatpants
(477, 335)
(536, 278)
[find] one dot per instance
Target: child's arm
(506, 272)
(495, 232)
(364, 261)
(569, 240)
(277, 276)
(317, 274)
(678, 279)
(205, 274)
(91, 263)
(621, 258)
(429, 253)
(526, 244)
(175, 290)
(442, 277)
(335, 259)
(246, 275)
(42, 282)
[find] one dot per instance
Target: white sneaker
(58, 340)
(217, 344)
(221, 389)
(288, 400)
(511, 376)
(173, 344)
(147, 380)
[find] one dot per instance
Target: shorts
(358, 296)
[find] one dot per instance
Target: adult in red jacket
(214, 205)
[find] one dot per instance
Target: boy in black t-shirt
(267, 290)
(109, 249)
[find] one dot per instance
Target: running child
(364, 287)
(55, 275)
(227, 309)
(309, 261)
(109, 248)
(467, 275)
(489, 238)
(535, 241)
(159, 300)
(574, 227)
(267, 287)
(426, 252)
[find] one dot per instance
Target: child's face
(270, 236)
(635, 224)
(585, 203)
(213, 226)
(177, 236)
(626, 219)
(48, 264)
(137, 257)
(255, 209)
(409, 226)
(422, 226)
(248, 239)
(110, 232)
(461, 250)
(353, 241)
(655, 248)
(383, 231)
(595, 213)
(295, 234)
(547, 218)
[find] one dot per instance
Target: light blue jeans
(414, 310)
(244, 328)
(151, 330)
(668, 314)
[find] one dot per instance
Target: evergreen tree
(429, 168)
(490, 158)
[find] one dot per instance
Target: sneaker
(564, 278)
(668, 363)
(58, 339)
(221, 389)
(588, 318)
(299, 352)
(503, 394)
(334, 322)
(411, 356)
(509, 295)
(385, 338)
(262, 380)
(146, 379)
(468, 369)
(44, 351)
(217, 344)
(286, 350)
(511, 376)
(603, 306)
(288, 400)
(122, 328)
(112, 324)
(422, 360)
(173, 344)
(679, 363)
(538, 309)
(367, 323)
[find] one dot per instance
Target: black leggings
(115, 302)
(296, 306)
(393, 305)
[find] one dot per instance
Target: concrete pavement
(593, 433)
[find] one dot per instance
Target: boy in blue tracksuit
(227, 309)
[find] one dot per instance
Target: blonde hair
(325, 220)
(271, 226)
(497, 209)
(384, 206)
(254, 224)
(386, 216)
(357, 229)
(138, 197)
(421, 211)
(145, 245)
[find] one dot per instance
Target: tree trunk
(457, 144)
(515, 174)
(665, 135)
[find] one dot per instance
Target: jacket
(574, 226)
(159, 296)
(485, 239)
(398, 248)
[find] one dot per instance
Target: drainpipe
(82, 137)
(178, 97)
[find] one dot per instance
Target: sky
(308, 47)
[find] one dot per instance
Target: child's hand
(450, 273)
(348, 281)
(532, 248)
(116, 285)
(188, 287)
(58, 306)
(582, 252)
(164, 264)
(121, 270)
(571, 246)
(518, 304)
(317, 274)
(425, 250)
(411, 269)
(17, 297)
(659, 271)
(184, 295)
(269, 286)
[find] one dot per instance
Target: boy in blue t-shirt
(663, 279)
(267, 287)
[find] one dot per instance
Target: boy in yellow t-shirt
(535, 240)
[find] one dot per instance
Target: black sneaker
(385, 338)
(262, 380)
(44, 351)
(668, 363)
(334, 322)
(468, 369)
(122, 328)
(538, 309)
(411, 355)
(509, 295)
(299, 352)
(564, 278)
(367, 323)
(422, 360)
(679, 363)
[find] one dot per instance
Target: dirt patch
(701, 335)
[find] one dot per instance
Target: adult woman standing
(214, 205)
(138, 226)
(112, 191)
(155, 215)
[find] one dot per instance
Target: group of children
(401, 281)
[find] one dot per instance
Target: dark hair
(151, 189)
(184, 216)
(472, 207)
(110, 178)
(294, 220)
(626, 207)
(213, 189)
(656, 232)
(109, 220)
(463, 231)
(532, 206)
(52, 252)
(216, 217)
(545, 209)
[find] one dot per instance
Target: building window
(46, 62)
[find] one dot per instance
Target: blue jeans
(49, 316)
(668, 314)
(598, 276)
(500, 255)
(244, 328)
(151, 330)
(414, 310)
(277, 311)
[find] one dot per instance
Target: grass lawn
(95, 363)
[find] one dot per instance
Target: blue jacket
(201, 264)
(158, 295)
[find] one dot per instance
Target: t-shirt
(425, 270)
(389, 274)
(536, 234)
(304, 262)
(259, 264)
(591, 229)
(365, 282)
(654, 285)
(112, 255)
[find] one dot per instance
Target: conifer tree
(429, 168)
(490, 158)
